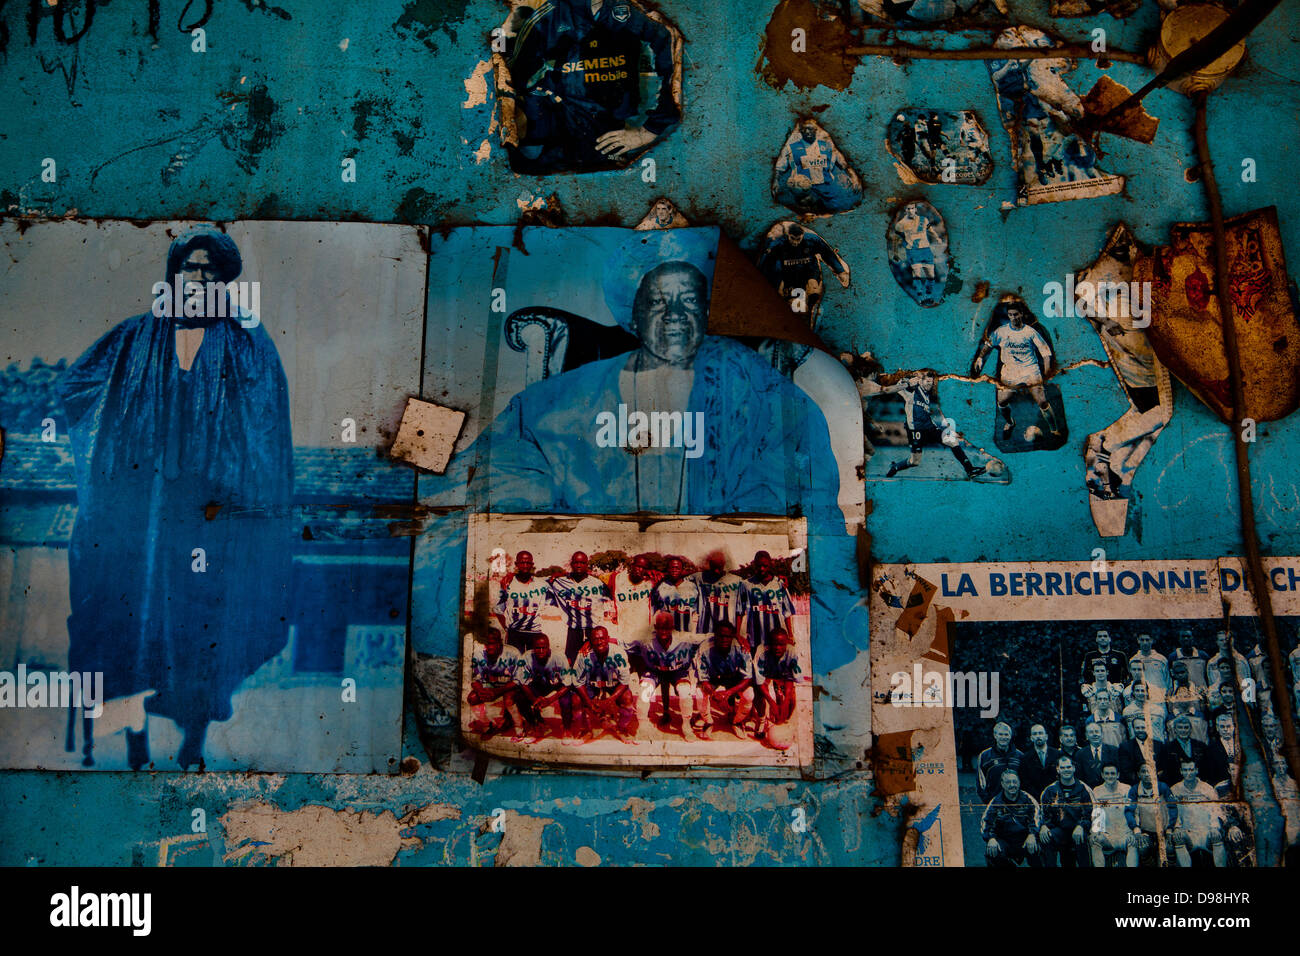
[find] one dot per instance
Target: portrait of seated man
(1010, 825)
(574, 69)
(687, 423)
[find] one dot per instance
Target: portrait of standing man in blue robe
(179, 565)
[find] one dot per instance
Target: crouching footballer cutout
(545, 680)
(602, 684)
(494, 677)
(669, 669)
(725, 677)
(776, 672)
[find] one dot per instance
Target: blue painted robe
(153, 446)
(766, 445)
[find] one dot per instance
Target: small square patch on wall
(427, 435)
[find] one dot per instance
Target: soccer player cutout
(792, 259)
(920, 238)
(602, 683)
(678, 595)
(669, 662)
(1101, 683)
(1188, 701)
(1111, 840)
(521, 596)
(1136, 678)
(1009, 825)
(1227, 651)
(1112, 455)
(574, 70)
(494, 674)
(991, 762)
(1024, 362)
(1066, 818)
(924, 422)
(764, 606)
(1150, 814)
(1199, 819)
(719, 593)
(725, 676)
(1223, 690)
(776, 671)
(812, 176)
(545, 680)
(1116, 667)
(1194, 660)
(631, 594)
(584, 599)
(1108, 718)
(1154, 664)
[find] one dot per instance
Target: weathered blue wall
(256, 128)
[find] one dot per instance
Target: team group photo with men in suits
(1130, 756)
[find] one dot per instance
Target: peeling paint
(476, 86)
(640, 810)
(521, 839)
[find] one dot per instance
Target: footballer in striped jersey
(545, 680)
(725, 676)
(669, 657)
(602, 682)
(584, 599)
(776, 671)
(765, 605)
(520, 598)
(494, 676)
(631, 591)
(677, 594)
(719, 593)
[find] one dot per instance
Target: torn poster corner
(427, 435)
(1134, 123)
(1038, 109)
(1186, 330)
(1113, 454)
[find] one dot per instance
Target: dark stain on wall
(417, 205)
(818, 62)
(251, 135)
(423, 19)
